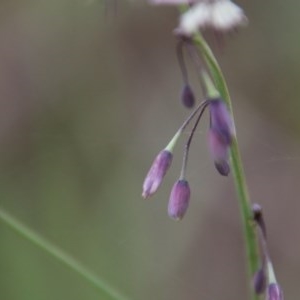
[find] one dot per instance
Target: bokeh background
(88, 98)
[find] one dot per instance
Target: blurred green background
(87, 99)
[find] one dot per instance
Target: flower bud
(274, 292)
(219, 152)
(220, 135)
(223, 167)
(259, 281)
(179, 199)
(187, 96)
(221, 121)
(156, 173)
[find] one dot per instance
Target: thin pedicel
(187, 94)
(181, 62)
(180, 193)
(189, 141)
(221, 134)
(163, 160)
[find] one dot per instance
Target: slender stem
(189, 141)
(237, 166)
(192, 115)
(61, 256)
(181, 62)
(175, 138)
(194, 54)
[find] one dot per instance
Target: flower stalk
(236, 163)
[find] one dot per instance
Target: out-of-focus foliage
(87, 100)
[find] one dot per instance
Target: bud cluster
(264, 280)
(220, 137)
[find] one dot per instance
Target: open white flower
(221, 15)
(226, 15)
(196, 17)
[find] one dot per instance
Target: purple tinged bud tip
(223, 168)
(179, 199)
(259, 219)
(259, 281)
(219, 152)
(274, 292)
(187, 96)
(257, 210)
(156, 173)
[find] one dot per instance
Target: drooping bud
(179, 199)
(187, 96)
(221, 121)
(220, 135)
(156, 173)
(274, 292)
(219, 152)
(259, 281)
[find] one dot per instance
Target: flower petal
(196, 17)
(225, 15)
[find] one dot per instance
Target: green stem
(237, 166)
(60, 255)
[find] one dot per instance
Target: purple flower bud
(219, 151)
(223, 167)
(221, 121)
(179, 199)
(274, 292)
(259, 281)
(187, 96)
(157, 172)
(220, 135)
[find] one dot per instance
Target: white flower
(227, 15)
(221, 15)
(196, 17)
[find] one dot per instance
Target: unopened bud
(187, 96)
(157, 172)
(259, 281)
(221, 121)
(223, 167)
(274, 292)
(219, 152)
(220, 135)
(179, 199)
